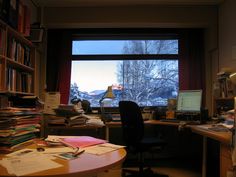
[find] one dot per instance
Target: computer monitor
(189, 101)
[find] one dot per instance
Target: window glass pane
(105, 47)
(147, 82)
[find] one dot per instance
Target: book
(27, 15)
(81, 141)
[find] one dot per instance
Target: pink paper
(81, 141)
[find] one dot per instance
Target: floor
(171, 168)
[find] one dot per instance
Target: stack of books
(18, 127)
(76, 120)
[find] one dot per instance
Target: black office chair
(133, 136)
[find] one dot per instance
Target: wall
(227, 35)
(142, 16)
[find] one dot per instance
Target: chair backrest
(132, 122)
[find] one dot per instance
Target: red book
(20, 17)
(81, 141)
(27, 15)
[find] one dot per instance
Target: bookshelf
(224, 92)
(17, 63)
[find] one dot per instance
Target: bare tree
(143, 80)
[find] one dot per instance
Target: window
(142, 70)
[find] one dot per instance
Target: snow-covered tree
(144, 80)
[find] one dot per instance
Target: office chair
(133, 136)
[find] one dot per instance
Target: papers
(52, 101)
(70, 155)
(28, 161)
(94, 120)
(102, 148)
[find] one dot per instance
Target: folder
(81, 141)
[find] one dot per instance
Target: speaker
(36, 34)
(204, 115)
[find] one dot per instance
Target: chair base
(146, 173)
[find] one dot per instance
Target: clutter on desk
(102, 148)
(52, 101)
(18, 127)
(70, 155)
(81, 141)
(27, 161)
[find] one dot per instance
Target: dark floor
(172, 168)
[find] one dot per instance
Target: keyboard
(170, 120)
(116, 118)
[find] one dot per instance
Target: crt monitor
(189, 101)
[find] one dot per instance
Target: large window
(144, 71)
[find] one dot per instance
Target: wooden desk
(85, 165)
(147, 122)
(223, 137)
(225, 150)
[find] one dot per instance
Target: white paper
(27, 164)
(52, 101)
(102, 148)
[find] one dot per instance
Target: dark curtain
(191, 61)
(59, 51)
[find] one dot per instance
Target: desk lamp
(107, 95)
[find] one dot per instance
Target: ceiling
(90, 3)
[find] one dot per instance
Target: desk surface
(222, 137)
(85, 165)
(147, 122)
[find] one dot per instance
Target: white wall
(227, 35)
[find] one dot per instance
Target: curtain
(191, 61)
(59, 52)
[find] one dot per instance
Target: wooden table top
(146, 122)
(222, 137)
(86, 165)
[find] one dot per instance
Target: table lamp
(232, 78)
(107, 95)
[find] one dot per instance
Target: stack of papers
(102, 148)
(27, 161)
(17, 125)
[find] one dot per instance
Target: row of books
(16, 14)
(19, 81)
(18, 127)
(18, 51)
(2, 40)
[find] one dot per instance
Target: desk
(223, 137)
(147, 122)
(85, 165)
(225, 150)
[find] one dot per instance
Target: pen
(78, 153)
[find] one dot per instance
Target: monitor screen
(189, 101)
